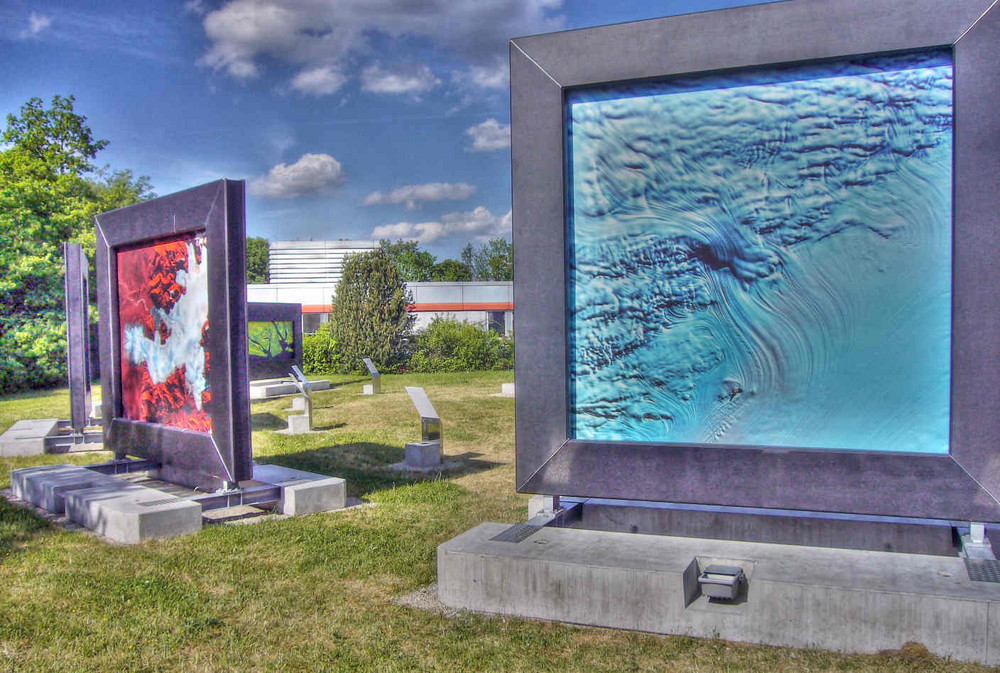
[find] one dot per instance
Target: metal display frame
(210, 461)
(961, 486)
(77, 297)
(271, 312)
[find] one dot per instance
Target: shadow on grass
(266, 421)
(17, 526)
(365, 465)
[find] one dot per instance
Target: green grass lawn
(314, 592)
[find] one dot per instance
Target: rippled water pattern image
(764, 258)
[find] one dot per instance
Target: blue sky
(348, 118)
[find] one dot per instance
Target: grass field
(315, 592)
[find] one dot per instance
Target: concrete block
(267, 388)
(540, 504)
(507, 389)
(298, 424)
(27, 437)
(423, 454)
(129, 514)
(298, 404)
(303, 492)
(367, 389)
(47, 486)
(96, 410)
(836, 599)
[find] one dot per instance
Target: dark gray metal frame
(268, 312)
(198, 460)
(77, 298)
(961, 486)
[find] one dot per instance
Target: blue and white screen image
(763, 258)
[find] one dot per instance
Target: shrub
(319, 351)
(454, 346)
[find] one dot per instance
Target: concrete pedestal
(298, 404)
(46, 486)
(268, 388)
(367, 389)
(27, 438)
(298, 424)
(303, 492)
(836, 599)
(423, 454)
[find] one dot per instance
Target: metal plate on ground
(983, 570)
(516, 533)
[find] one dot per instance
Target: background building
(312, 261)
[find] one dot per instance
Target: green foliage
(412, 262)
(493, 260)
(454, 346)
(46, 198)
(319, 351)
(451, 270)
(370, 317)
(258, 260)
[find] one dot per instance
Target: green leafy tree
(449, 345)
(258, 260)
(413, 263)
(370, 317)
(49, 193)
(451, 270)
(494, 260)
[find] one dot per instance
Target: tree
(494, 260)
(258, 260)
(413, 263)
(451, 270)
(46, 198)
(370, 317)
(58, 137)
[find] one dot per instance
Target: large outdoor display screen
(163, 318)
(763, 257)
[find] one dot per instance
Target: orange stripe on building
(419, 308)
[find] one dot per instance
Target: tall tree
(493, 260)
(413, 263)
(370, 317)
(451, 270)
(49, 193)
(258, 260)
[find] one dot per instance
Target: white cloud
(312, 173)
(488, 136)
(495, 76)
(320, 81)
(414, 79)
(36, 24)
(479, 224)
(413, 195)
(312, 34)
(196, 7)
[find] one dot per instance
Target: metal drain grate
(154, 503)
(983, 570)
(516, 533)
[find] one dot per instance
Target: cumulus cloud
(413, 79)
(312, 34)
(488, 136)
(320, 81)
(196, 7)
(492, 76)
(312, 173)
(414, 195)
(479, 224)
(36, 24)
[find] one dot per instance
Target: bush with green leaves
(454, 346)
(319, 351)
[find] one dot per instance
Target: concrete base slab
(129, 514)
(268, 388)
(303, 492)
(423, 455)
(47, 486)
(27, 437)
(836, 599)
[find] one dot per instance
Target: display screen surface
(163, 318)
(271, 340)
(763, 257)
